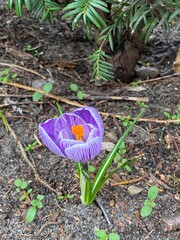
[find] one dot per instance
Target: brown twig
(32, 165)
(23, 68)
(77, 104)
(46, 225)
(86, 97)
(111, 98)
(117, 124)
(143, 119)
(127, 182)
(5, 95)
(57, 98)
(158, 78)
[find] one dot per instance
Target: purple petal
(46, 132)
(66, 121)
(84, 152)
(91, 115)
(65, 141)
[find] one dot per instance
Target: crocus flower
(76, 136)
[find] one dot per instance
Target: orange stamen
(78, 131)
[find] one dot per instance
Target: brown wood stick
(112, 98)
(77, 104)
(23, 68)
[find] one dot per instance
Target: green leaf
(29, 190)
(5, 79)
(18, 5)
(100, 176)
(147, 202)
(4, 121)
(153, 204)
(40, 197)
(101, 234)
(10, 4)
(152, 193)
(69, 196)
(59, 108)
(102, 6)
(167, 115)
(80, 95)
(23, 197)
(23, 185)
(31, 213)
(74, 87)
(17, 182)
(6, 71)
(39, 205)
(18, 190)
(48, 87)
(91, 17)
(60, 197)
(91, 168)
(76, 20)
(37, 96)
(114, 236)
(14, 75)
(34, 202)
(174, 14)
(28, 4)
(146, 211)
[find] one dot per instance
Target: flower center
(78, 131)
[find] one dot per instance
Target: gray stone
(147, 72)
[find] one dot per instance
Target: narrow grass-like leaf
(98, 180)
(4, 121)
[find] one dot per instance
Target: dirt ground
(60, 56)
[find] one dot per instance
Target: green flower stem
(90, 189)
(85, 183)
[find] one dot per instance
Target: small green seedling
(20, 185)
(136, 84)
(27, 48)
(46, 88)
(30, 147)
(142, 104)
(125, 120)
(4, 121)
(35, 204)
(174, 116)
(119, 157)
(37, 53)
(102, 235)
(6, 76)
(65, 197)
(74, 87)
(21, 188)
(149, 203)
(91, 168)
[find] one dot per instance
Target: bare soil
(63, 59)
